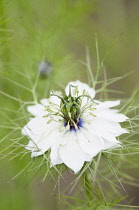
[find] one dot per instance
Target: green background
(59, 31)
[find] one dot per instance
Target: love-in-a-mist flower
(74, 126)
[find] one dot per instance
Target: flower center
(72, 127)
(71, 109)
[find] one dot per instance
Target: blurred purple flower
(45, 68)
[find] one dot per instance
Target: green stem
(87, 184)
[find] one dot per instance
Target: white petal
(37, 125)
(107, 104)
(111, 145)
(37, 110)
(72, 155)
(54, 155)
(110, 141)
(35, 154)
(100, 127)
(44, 102)
(107, 133)
(32, 146)
(81, 86)
(33, 130)
(27, 132)
(53, 99)
(110, 114)
(90, 143)
(56, 103)
(41, 134)
(109, 137)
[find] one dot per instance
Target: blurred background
(58, 32)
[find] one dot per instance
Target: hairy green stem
(87, 184)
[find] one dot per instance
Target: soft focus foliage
(61, 32)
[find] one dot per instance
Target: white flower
(74, 126)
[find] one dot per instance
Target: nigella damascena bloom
(74, 126)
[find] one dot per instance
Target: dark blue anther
(79, 125)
